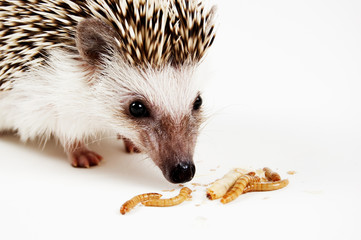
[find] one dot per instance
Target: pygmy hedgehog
(77, 70)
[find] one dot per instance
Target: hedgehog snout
(182, 172)
(169, 140)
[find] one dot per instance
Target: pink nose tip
(182, 172)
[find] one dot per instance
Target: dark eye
(197, 103)
(138, 110)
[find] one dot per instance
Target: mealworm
(128, 205)
(238, 188)
(251, 174)
(221, 186)
(270, 175)
(183, 195)
(267, 186)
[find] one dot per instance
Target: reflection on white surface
(283, 91)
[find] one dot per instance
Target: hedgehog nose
(182, 172)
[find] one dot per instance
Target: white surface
(284, 92)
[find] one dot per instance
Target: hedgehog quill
(78, 70)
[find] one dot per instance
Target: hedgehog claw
(130, 147)
(84, 158)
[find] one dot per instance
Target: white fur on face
(172, 90)
(169, 92)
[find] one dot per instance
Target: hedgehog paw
(130, 147)
(84, 158)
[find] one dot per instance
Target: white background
(283, 90)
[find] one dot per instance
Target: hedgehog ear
(95, 40)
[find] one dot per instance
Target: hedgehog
(82, 70)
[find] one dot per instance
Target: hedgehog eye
(138, 110)
(197, 103)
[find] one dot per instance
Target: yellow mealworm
(183, 195)
(238, 188)
(247, 189)
(251, 174)
(221, 186)
(270, 175)
(128, 205)
(267, 186)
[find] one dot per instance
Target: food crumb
(171, 190)
(196, 184)
(291, 172)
